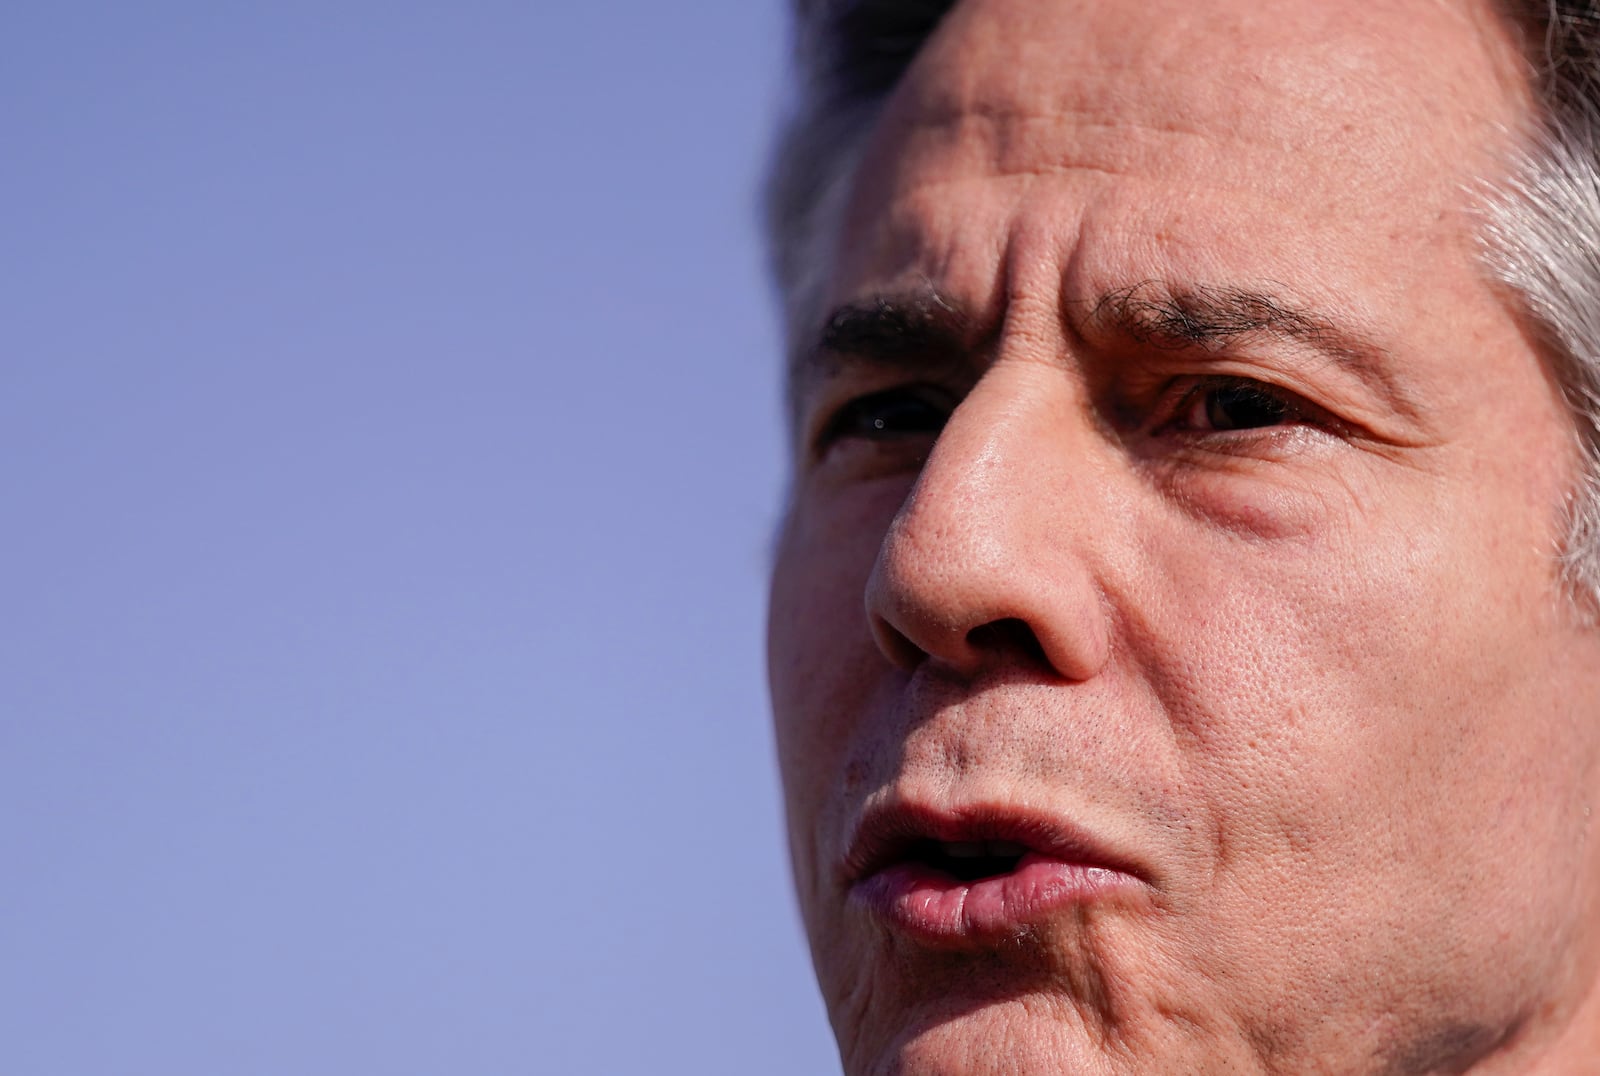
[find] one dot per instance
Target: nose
(991, 557)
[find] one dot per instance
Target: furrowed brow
(1205, 317)
(1209, 318)
(915, 331)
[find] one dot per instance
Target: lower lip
(933, 906)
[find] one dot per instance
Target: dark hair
(848, 56)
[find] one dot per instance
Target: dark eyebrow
(1207, 318)
(895, 329)
(917, 330)
(1157, 314)
(920, 331)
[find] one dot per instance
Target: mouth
(953, 879)
(967, 861)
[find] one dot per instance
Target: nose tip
(1009, 638)
(1072, 647)
(961, 581)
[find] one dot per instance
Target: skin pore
(1168, 475)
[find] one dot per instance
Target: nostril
(901, 651)
(1010, 635)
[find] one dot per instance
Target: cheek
(822, 662)
(823, 672)
(1394, 607)
(1328, 679)
(1358, 715)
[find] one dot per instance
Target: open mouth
(967, 861)
(958, 878)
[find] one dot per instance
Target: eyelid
(831, 423)
(1184, 393)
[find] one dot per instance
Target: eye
(893, 413)
(1222, 406)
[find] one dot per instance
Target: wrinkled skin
(1308, 663)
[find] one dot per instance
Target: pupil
(893, 413)
(1241, 407)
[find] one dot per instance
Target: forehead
(1205, 59)
(1220, 137)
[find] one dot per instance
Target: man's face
(1169, 657)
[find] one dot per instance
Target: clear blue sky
(389, 444)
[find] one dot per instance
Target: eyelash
(1290, 408)
(854, 418)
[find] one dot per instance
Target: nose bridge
(970, 499)
(988, 552)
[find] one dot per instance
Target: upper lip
(888, 832)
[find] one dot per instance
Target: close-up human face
(1170, 661)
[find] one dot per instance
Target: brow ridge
(921, 328)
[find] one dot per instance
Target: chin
(1030, 1035)
(1012, 1037)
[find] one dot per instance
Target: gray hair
(1541, 221)
(1541, 238)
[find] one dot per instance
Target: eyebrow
(1208, 318)
(921, 328)
(895, 330)
(914, 330)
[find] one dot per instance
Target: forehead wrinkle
(927, 241)
(1027, 144)
(1153, 78)
(951, 125)
(1028, 270)
(931, 167)
(1180, 75)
